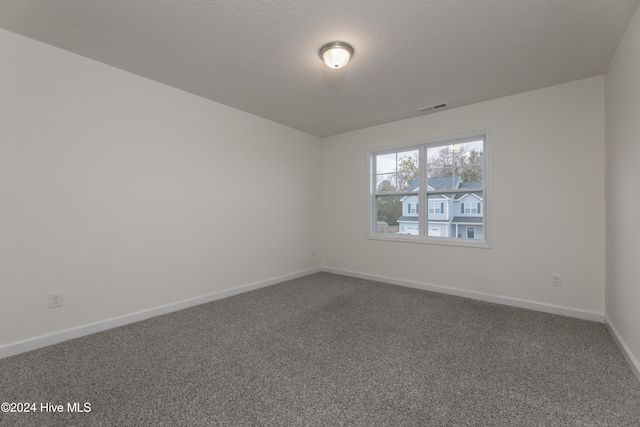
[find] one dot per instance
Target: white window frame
(422, 195)
(438, 204)
(470, 209)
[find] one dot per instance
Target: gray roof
(413, 185)
(444, 183)
(474, 184)
(467, 220)
(461, 195)
(438, 197)
(408, 219)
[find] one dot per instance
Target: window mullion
(422, 194)
(373, 205)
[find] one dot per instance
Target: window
(436, 207)
(470, 208)
(447, 178)
(394, 186)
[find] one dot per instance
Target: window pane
(386, 163)
(388, 212)
(462, 162)
(397, 172)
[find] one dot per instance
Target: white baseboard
(626, 351)
(514, 302)
(34, 343)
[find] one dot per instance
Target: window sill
(467, 243)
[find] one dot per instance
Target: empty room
(367, 213)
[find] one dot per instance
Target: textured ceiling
(262, 56)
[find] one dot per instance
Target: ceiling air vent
(431, 109)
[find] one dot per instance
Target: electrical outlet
(313, 253)
(556, 279)
(55, 299)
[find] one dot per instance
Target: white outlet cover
(55, 299)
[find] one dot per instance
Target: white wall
(622, 83)
(546, 203)
(120, 192)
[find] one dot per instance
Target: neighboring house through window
(447, 178)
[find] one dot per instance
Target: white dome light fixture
(336, 54)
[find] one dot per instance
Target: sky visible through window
(387, 165)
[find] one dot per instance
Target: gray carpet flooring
(328, 350)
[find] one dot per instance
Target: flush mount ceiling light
(336, 54)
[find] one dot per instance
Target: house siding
(450, 222)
